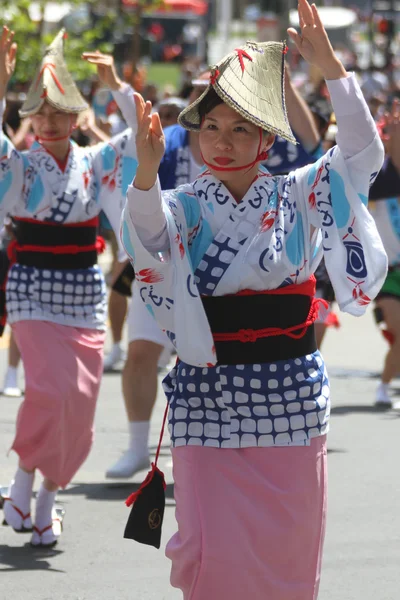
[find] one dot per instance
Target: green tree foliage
(32, 38)
(107, 21)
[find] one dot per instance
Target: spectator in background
(169, 109)
(150, 92)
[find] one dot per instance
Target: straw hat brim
(54, 84)
(31, 111)
(257, 95)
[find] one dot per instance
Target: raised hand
(313, 42)
(105, 68)
(8, 56)
(150, 144)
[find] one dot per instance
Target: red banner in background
(197, 7)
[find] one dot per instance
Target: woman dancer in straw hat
(55, 290)
(249, 397)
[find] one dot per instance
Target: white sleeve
(356, 127)
(146, 213)
(11, 171)
(126, 104)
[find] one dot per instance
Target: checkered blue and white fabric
(68, 297)
(34, 186)
(274, 237)
(238, 406)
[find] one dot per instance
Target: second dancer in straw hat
(56, 297)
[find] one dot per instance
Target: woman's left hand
(105, 68)
(313, 42)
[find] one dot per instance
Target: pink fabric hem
(63, 367)
(251, 522)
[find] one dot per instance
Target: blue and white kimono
(274, 237)
(32, 185)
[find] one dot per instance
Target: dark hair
(209, 102)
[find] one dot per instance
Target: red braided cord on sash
(307, 288)
(252, 335)
(98, 246)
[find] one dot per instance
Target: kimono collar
(210, 189)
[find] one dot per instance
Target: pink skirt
(251, 522)
(63, 367)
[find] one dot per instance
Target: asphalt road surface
(93, 562)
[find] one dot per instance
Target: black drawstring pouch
(146, 517)
(148, 504)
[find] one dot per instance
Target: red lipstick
(223, 160)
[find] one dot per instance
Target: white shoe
(12, 392)
(10, 387)
(128, 465)
(114, 357)
(382, 398)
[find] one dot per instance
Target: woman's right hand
(150, 144)
(8, 55)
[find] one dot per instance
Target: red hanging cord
(133, 497)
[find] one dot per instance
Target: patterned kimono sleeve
(166, 282)
(126, 104)
(114, 166)
(333, 193)
(11, 174)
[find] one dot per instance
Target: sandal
(48, 536)
(26, 522)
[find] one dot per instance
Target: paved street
(94, 562)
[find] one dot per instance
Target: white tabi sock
(21, 490)
(382, 394)
(139, 432)
(44, 504)
(20, 493)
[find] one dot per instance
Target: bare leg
(14, 355)
(391, 313)
(139, 379)
(139, 384)
(320, 331)
(117, 309)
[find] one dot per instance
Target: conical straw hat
(53, 83)
(251, 81)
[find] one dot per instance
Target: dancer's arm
(122, 92)
(300, 116)
(356, 128)
(11, 162)
(144, 200)
(87, 124)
